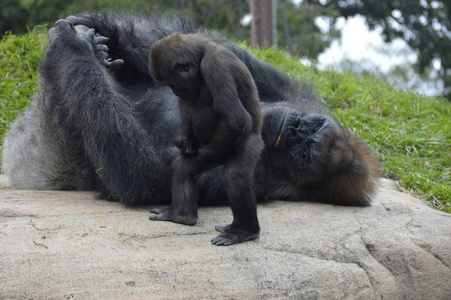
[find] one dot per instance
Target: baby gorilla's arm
(218, 148)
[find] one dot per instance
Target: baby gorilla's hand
(187, 145)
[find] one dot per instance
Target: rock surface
(68, 245)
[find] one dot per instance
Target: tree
(264, 20)
(17, 16)
(298, 31)
(423, 24)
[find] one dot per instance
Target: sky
(360, 44)
(367, 48)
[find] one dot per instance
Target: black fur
(221, 125)
(102, 123)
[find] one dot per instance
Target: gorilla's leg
(237, 177)
(128, 39)
(184, 192)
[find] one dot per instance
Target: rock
(57, 245)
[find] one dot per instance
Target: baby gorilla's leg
(238, 178)
(184, 193)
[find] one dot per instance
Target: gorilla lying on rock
(102, 123)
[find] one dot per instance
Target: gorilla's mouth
(282, 125)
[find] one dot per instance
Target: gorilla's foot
(168, 213)
(233, 234)
(84, 28)
(62, 27)
(102, 51)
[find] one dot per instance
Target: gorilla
(101, 122)
(221, 124)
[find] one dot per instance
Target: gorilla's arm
(219, 78)
(130, 39)
(185, 140)
(89, 105)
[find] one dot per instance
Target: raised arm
(87, 104)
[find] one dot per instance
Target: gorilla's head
(175, 62)
(310, 156)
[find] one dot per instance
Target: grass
(409, 133)
(19, 79)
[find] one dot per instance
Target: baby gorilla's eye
(182, 67)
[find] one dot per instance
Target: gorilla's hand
(79, 38)
(101, 50)
(187, 145)
(85, 21)
(90, 40)
(99, 46)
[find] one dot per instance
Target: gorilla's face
(306, 147)
(174, 62)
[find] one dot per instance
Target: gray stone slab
(69, 245)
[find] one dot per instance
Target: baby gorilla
(220, 125)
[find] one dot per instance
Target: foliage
(222, 15)
(306, 37)
(409, 133)
(425, 26)
(19, 79)
(18, 15)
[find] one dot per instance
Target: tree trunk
(263, 26)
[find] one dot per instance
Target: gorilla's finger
(81, 28)
(91, 33)
(159, 210)
(80, 21)
(51, 33)
(64, 25)
(100, 39)
(221, 241)
(101, 47)
(60, 21)
(114, 65)
(103, 55)
(159, 217)
(220, 228)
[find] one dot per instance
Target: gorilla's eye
(318, 127)
(182, 67)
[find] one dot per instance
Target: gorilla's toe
(63, 24)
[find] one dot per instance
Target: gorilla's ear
(216, 70)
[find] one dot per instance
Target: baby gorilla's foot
(232, 234)
(168, 213)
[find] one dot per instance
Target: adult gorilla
(104, 124)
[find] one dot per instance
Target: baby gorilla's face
(175, 63)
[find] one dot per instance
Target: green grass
(409, 133)
(19, 79)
